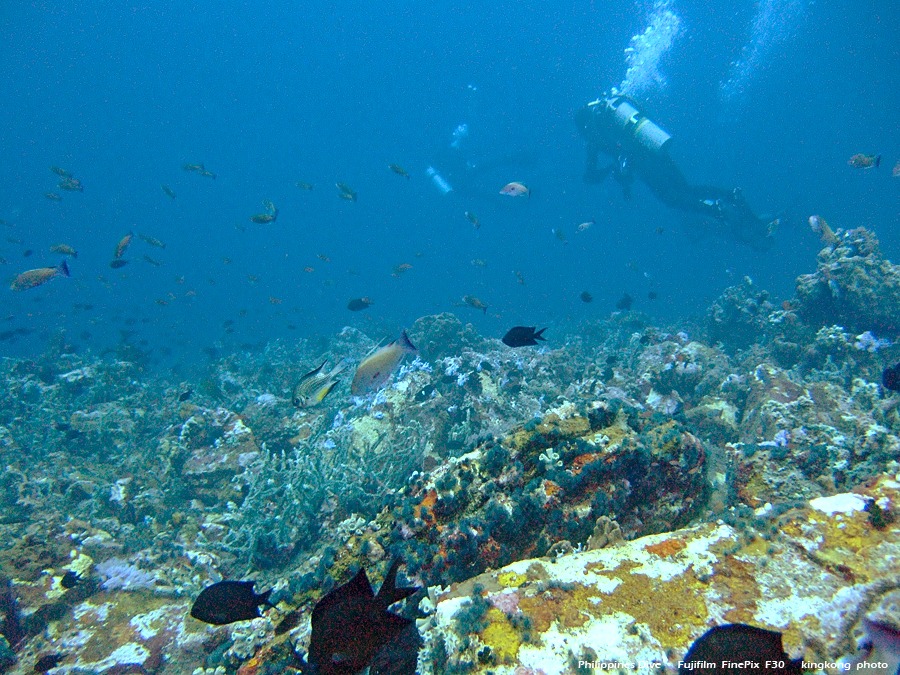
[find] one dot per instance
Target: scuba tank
(625, 115)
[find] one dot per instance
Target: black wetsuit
(659, 172)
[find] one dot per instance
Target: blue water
(267, 94)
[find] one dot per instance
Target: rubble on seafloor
(603, 498)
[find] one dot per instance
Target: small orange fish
(520, 277)
(226, 260)
(515, 190)
(322, 257)
(896, 172)
(252, 279)
(274, 301)
(39, 276)
(162, 302)
(473, 219)
(302, 185)
(861, 161)
(53, 197)
(585, 226)
(123, 245)
(179, 280)
(309, 270)
(263, 218)
(478, 262)
(190, 293)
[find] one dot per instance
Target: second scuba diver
(615, 126)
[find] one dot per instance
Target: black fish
(738, 643)
(358, 304)
(227, 602)
(70, 579)
(625, 302)
(116, 264)
(401, 656)
(185, 395)
(890, 378)
(48, 661)
(350, 624)
(523, 336)
(586, 297)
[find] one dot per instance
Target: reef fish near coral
(315, 386)
(377, 368)
(724, 648)
(227, 602)
(351, 624)
(523, 336)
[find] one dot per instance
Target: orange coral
(665, 548)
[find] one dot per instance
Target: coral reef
(853, 286)
(543, 488)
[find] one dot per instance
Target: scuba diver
(615, 126)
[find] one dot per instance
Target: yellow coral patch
(500, 636)
(673, 615)
(511, 579)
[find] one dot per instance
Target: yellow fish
(39, 276)
(375, 369)
(315, 386)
